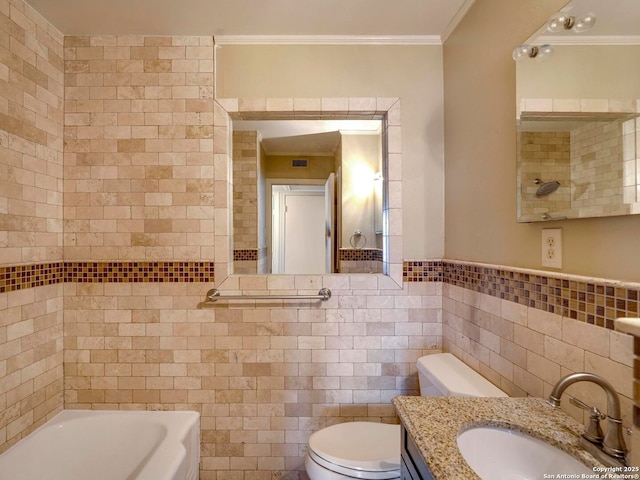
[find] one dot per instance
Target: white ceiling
(429, 21)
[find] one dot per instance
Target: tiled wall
(544, 156)
(590, 300)
(138, 160)
(31, 119)
(245, 190)
(597, 167)
(250, 260)
(525, 347)
(264, 375)
(267, 374)
(603, 158)
(31, 122)
(364, 260)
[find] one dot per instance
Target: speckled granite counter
(435, 422)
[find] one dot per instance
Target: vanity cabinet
(413, 466)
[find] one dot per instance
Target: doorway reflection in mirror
(301, 189)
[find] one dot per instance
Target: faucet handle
(593, 432)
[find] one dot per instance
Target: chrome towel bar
(214, 295)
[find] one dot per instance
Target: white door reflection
(298, 229)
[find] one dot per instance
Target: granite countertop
(435, 422)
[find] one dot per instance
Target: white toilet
(371, 451)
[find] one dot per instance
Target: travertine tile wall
(245, 190)
(138, 163)
(364, 260)
(31, 122)
(597, 168)
(544, 156)
(264, 376)
(603, 153)
(525, 350)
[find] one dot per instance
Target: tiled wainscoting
(591, 300)
(524, 329)
(266, 374)
(250, 260)
(363, 260)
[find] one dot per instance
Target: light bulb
(531, 51)
(559, 21)
(520, 52)
(584, 22)
(544, 52)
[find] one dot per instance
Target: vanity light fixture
(532, 51)
(563, 21)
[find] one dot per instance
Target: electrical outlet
(552, 247)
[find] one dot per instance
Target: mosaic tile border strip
(249, 254)
(595, 302)
(360, 255)
(588, 300)
(21, 277)
(423, 271)
(152, 272)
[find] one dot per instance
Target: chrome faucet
(613, 443)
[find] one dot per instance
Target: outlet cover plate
(552, 247)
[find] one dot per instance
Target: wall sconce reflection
(362, 181)
(532, 51)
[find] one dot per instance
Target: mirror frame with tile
(228, 109)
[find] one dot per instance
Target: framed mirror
(577, 126)
(285, 157)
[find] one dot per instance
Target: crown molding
(589, 40)
(457, 18)
(327, 39)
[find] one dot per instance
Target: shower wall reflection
(592, 157)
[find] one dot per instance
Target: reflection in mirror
(577, 166)
(307, 196)
(576, 118)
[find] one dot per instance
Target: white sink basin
(502, 454)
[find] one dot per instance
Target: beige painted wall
(413, 73)
(480, 167)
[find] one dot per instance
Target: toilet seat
(364, 450)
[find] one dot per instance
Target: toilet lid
(366, 446)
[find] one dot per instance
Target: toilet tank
(442, 374)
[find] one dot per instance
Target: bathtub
(108, 445)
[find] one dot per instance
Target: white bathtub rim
(167, 457)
